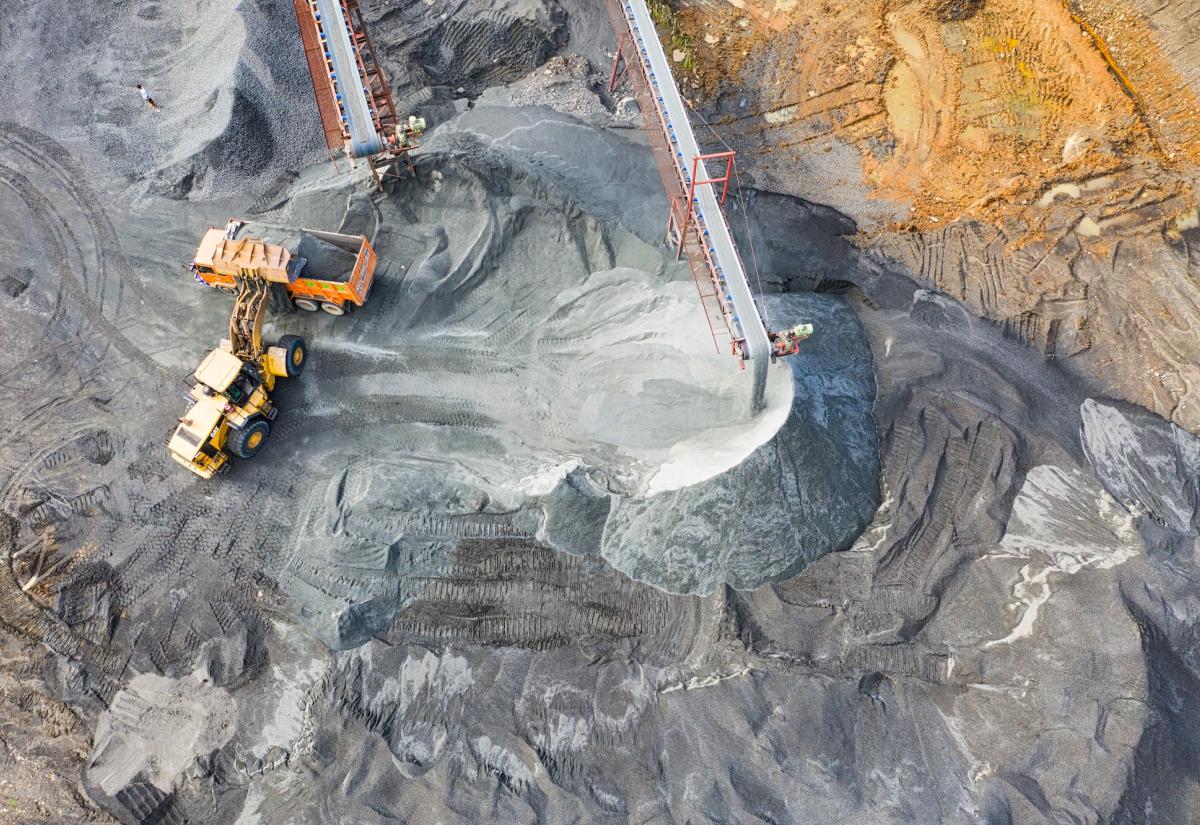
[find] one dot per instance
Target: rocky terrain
(517, 551)
(1037, 162)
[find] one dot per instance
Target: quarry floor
(517, 550)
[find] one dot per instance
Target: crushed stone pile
(515, 551)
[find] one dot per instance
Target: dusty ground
(1036, 161)
(43, 746)
(520, 555)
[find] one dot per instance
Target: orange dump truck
(319, 270)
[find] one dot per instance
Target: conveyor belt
(729, 275)
(314, 55)
(364, 140)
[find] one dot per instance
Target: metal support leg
(619, 67)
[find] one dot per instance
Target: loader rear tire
(246, 442)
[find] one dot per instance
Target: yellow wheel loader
(231, 410)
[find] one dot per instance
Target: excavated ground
(516, 552)
(1037, 161)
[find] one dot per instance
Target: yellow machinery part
(276, 362)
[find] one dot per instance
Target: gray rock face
(575, 514)
(937, 671)
(456, 480)
(957, 611)
(794, 246)
(1079, 306)
(1151, 468)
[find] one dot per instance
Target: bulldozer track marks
(21, 615)
(147, 804)
(57, 509)
(94, 446)
(513, 592)
(172, 539)
(897, 660)
(478, 526)
(87, 445)
(970, 466)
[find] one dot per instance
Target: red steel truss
(370, 73)
(684, 230)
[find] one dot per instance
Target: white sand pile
(156, 728)
(529, 367)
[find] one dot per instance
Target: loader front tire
(246, 442)
(296, 354)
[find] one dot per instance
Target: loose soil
(958, 107)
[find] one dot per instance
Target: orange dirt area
(961, 108)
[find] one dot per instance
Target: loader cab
(219, 369)
(243, 386)
(230, 405)
(228, 380)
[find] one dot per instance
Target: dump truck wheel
(296, 356)
(306, 304)
(228, 290)
(250, 439)
(332, 308)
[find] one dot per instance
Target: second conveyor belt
(710, 217)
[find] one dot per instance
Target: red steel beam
(686, 224)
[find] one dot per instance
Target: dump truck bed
(332, 267)
(321, 266)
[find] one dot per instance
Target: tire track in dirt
(511, 591)
(22, 616)
(83, 266)
(412, 409)
(54, 163)
(56, 234)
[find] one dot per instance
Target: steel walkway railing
(696, 211)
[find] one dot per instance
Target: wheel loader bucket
(276, 362)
